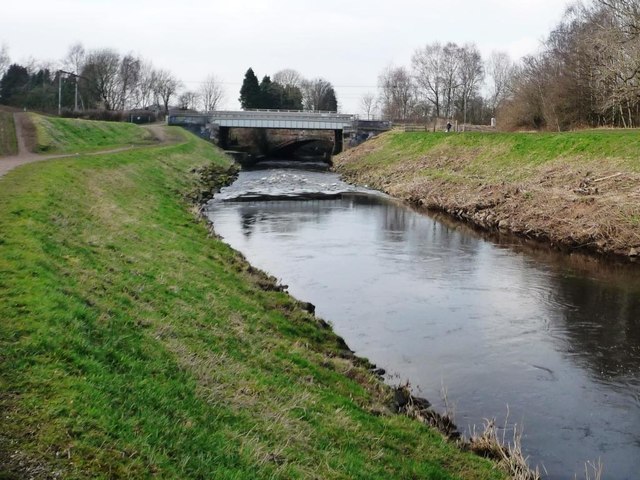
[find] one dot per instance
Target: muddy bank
(587, 201)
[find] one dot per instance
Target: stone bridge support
(338, 142)
(223, 138)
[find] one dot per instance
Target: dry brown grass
(508, 453)
(590, 205)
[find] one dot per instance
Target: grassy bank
(135, 345)
(64, 135)
(8, 143)
(576, 190)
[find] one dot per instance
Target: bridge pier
(223, 138)
(337, 143)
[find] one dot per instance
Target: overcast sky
(347, 42)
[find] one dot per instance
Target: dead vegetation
(590, 205)
(488, 443)
(508, 453)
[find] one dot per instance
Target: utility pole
(60, 72)
(59, 92)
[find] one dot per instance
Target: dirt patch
(160, 133)
(26, 133)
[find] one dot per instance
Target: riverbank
(134, 344)
(579, 191)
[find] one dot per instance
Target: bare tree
(368, 104)
(211, 93)
(626, 12)
(75, 59)
(471, 74)
(143, 94)
(102, 69)
(74, 62)
(499, 68)
(165, 87)
(319, 95)
(5, 60)
(587, 74)
(129, 76)
(288, 78)
(428, 71)
(188, 100)
(451, 80)
(397, 93)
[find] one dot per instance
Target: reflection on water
(556, 338)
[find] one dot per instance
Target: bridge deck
(266, 119)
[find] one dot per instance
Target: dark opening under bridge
(223, 121)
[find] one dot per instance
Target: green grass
(8, 144)
(135, 345)
(506, 155)
(65, 135)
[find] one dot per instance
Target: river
(552, 339)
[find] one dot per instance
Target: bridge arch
(289, 147)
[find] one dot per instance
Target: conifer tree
(250, 91)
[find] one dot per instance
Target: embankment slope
(133, 344)
(8, 143)
(66, 135)
(576, 190)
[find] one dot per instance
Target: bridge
(223, 121)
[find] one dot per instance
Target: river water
(550, 340)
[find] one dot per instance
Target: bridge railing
(298, 114)
(265, 119)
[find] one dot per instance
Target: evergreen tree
(250, 93)
(329, 101)
(291, 97)
(14, 85)
(270, 94)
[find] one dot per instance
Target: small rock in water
(633, 252)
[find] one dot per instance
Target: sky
(348, 43)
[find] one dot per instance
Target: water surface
(553, 339)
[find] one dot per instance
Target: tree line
(444, 81)
(587, 74)
(288, 90)
(99, 79)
